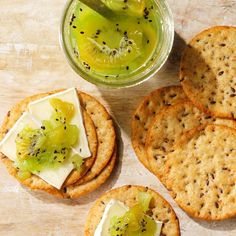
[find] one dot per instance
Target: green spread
(49, 146)
(121, 44)
(135, 221)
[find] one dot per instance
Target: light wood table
(31, 61)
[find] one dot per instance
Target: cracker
(202, 172)
(78, 190)
(34, 182)
(105, 134)
(92, 141)
(167, 128)
(160, 209)
(146, 111)
(208, 68)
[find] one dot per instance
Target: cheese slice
(42, 110)
(116, 208)
(8, 147)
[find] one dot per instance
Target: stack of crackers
(102, 143)
(186, 134)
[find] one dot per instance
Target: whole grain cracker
(201, 172)
(167, 128)
(146, 111)
(35, 182)
(160, 209)
(92, 141)
(78, 190)
(208, 71)
(105, 134)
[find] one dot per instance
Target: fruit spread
(50, 145)
(118, 45)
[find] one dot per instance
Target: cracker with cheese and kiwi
(51, 140)
(131, 210)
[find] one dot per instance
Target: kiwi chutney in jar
(121, 50)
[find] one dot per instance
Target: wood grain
(31, 61)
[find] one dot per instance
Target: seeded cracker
(92, 137)
(208, 71)
(78, 190)
(167, 128)
(160, 209)
(202, 172)
(146, 111)
(105, 134)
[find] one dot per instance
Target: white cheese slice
(57, 177)
(116, 208)
(8, 147)
(42, 110)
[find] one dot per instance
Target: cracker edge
(134, 141)
(148, 136)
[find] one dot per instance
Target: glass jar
(164, 33)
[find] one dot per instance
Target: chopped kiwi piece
(49, 146)
(62, 109)
(77, 161)
(134, 222)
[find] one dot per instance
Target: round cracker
(160, 209)
(105, 134)
(202, 172)
(208, 68)
(167, 128)
(99, 114)
(92, 141)
(146, 111)
(78, 190)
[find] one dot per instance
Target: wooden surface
(31, 61)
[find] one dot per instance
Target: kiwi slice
(49, 146)
(112, 47)
(134, 222)
(132, 7)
